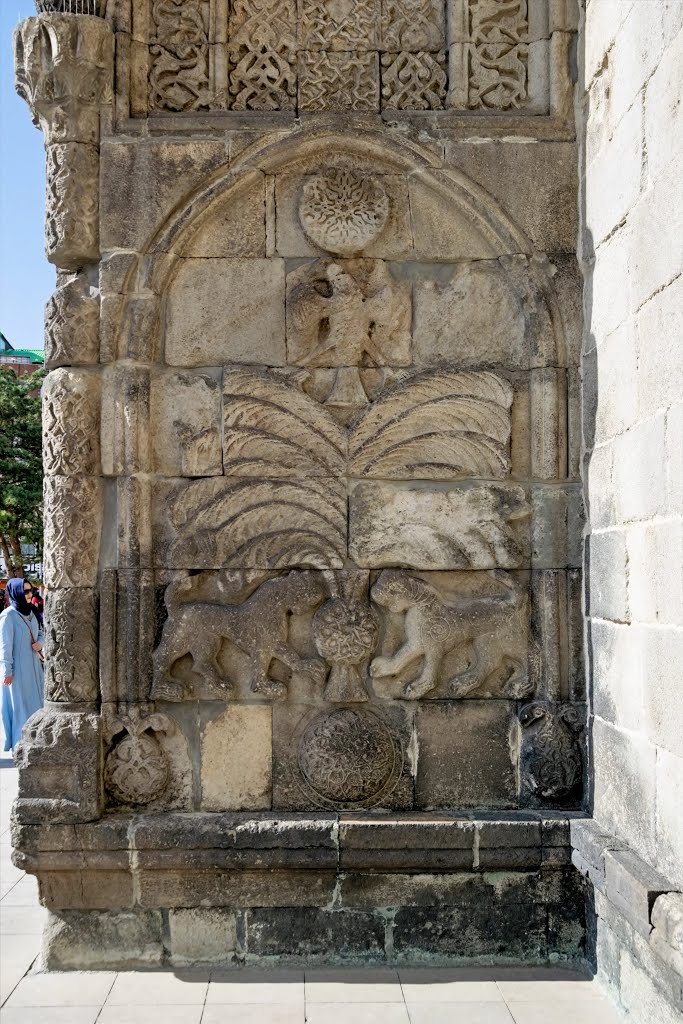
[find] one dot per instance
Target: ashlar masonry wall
(633, 464)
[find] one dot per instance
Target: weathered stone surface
(185, 411)
(467, 754)
(235, 227)
(347, 313)
(138, 769)
(469, 527)
(488, 930)
(71, 422)
(266, 524)
(71, 652)
(236, 759)
(72, 324)
(102, 941)
(201, 936)
(550, 758)
(251, 327)
(310, 932)
(72, 538)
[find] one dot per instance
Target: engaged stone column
(64, 69)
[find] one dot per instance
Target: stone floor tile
(150, 1015)
(558, 991)
(21, 951)
(21, 920)
(10, 976)
(159, 988)
(462, 1013)
(23, 893)
(584, 1011)
(8, 872)
(50, 1015)
(449, 986)
(252, 1013)
(285, 988)
(352, 986)
(67, 988)
(356, 1013)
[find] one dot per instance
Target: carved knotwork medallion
(343, 212)
(550, 756)
(348, 758)
(136, 770)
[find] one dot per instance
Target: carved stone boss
(64, 71)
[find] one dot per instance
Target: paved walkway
(384, 996)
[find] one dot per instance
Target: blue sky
(26, 278)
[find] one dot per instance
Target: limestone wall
(633, 433)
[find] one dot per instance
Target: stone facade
(313, 491)
(633, 476)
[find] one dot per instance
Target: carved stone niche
(64, 71)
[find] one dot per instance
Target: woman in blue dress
(21, 670)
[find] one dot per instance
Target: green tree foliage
(21, 467)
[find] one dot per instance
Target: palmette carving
(72, 516)
(551, 762)
(414, 81)
(71, 423)
(72, 315)
(435, 425)
(259, 626)
(338, 81)
(498, 54)
(263, 55)
(347, 313)
(179, 56)
(71, 645)
(266, 524)
(343, 212)
(136, 769)
(433, 627)
(345, 633)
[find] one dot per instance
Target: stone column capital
(64, 67)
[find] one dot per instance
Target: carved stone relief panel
(179, 55)
(72, 324)
(347, 313)
(267, 524)
(262, 49)
(185, 410)
(71, 645)
(147, 763)
(551, 755)
(343, 212)
(71, 422)
(72, 515)
(414, 81)
(338, 81)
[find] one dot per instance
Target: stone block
(311, 932)
(415, 832)
(640, 480)
(265, 524)
(673, 454)
(618, 383)
(667, 919)
(617, 674)
(211, 886)
(624, 800)
(662, 651)
(342, 756)
(607, 299)
(656, 256)
(613, 177)
(471, 315)
(599, 487)
(111, 940)
(633, 886)
(482, 930)
(655, 592)
(235, 225)
(393, 242)
(185, 409)
(200, 936)
(223, 310)
(466, 754)
(669, 803)
(466, 527)
(663, 115)
(660, 375)
(141, 182)
(236, 759)
(548, 212)
(642, 998)
(607, 583)
(86, 890)
(441, 234)
(557, 526)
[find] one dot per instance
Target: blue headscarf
(15, 593)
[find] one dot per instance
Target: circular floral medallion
(348, 758)
(342, 212)
(136, 770)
